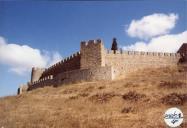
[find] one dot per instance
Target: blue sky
(54, 30)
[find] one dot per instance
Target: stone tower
(92, 54)
(36, 73)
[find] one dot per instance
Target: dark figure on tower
(114, 45)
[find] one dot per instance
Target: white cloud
(152, 25)
(21, 58)
(164, 43)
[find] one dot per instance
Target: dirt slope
(137, 101)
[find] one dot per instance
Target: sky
(40, 33)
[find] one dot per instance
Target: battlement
(46, 81)
(43, 79)
(92, 54)
(91, 43)
(70, 63)
(65, 60)
(94, 62)
(141, 53)
(37, 68)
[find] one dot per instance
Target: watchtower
(36, 73)
(92, 54)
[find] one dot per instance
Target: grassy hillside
(137, 101)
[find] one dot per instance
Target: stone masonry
(94, 62)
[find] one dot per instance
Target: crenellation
(160, 54)
(94, 62)
(129, 52)
(136, 53)
(59, 63)
(155, 53)
(46, 69)
(92, 55)
(141, 53)
(83, 42)
(91, 42)
(149, 53)
(68, 58)
(69, 63)
(125, 52)
(165, 54)
(172, 54)
(176, 55)
(117, 52)
(98, 41)
(110, 51)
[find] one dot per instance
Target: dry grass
(102, 97)
(172, 84)
(127, 110)
(133, 96)
(137, 101)
(174, 99)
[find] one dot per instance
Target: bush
(133, 96)
(171, 84)
(174, 99)
(102, 97)
(127, 110)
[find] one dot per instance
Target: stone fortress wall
(94, 62)
(67, 64)
(129, 61)
(92, 54)
(86, 65)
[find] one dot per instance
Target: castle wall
(92, 54)
(23, 88)
(92, 74)
(100, 73)
(129, 61)
(36, 73)
(94, 63)
(68, 64)
(46, 81)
